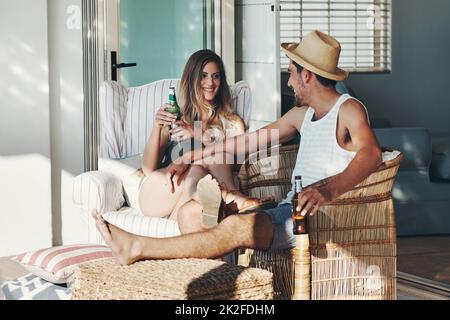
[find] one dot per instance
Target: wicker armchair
(352, 241)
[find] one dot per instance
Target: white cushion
(127, 114)
(132, 221)
(143, 103)
(113, 110)
(128, 170)
(242, 101)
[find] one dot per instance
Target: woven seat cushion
(180, 279)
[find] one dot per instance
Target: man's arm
(284, 129)
(241, 145)
(367, 159)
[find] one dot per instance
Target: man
(337, 142)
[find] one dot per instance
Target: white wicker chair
(126, 117)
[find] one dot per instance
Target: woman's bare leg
(190, 218)
(253, 230)
(205, 211)
(224, 175)
(155, 198)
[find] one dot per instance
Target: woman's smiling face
(210, 81)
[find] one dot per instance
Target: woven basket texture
(352, 241)
(180, 279)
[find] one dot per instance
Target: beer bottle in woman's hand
(175, 109)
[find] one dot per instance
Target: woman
(205, 100)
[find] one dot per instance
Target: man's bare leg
(254, 230)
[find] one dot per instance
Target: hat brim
(339, 75)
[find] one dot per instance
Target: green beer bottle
(175, 109)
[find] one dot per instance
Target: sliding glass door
(157, 36)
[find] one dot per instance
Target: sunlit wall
(25, 167)
(41, 144)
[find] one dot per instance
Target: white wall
(25, 188)
(41, 145)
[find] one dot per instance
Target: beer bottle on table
(175, 109)
(300, 222)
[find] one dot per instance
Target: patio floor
(425, 257)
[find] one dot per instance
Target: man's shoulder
(298, 111)
(352, 109)
(295, 115)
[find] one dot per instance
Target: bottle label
(298, 186)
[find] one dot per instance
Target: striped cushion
(242, 101)
(57, 264)
(132, 221)
(127, 114)
(113, 109)
(143, 103)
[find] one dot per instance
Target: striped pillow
(132, 221)
(113, 110)
(143, 103)
(57, 264)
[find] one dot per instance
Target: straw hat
(319, 53)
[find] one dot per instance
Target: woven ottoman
(180, 279)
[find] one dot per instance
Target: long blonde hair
(191, 98)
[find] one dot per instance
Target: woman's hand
(175, 175)
(182, 131)
(163, 117)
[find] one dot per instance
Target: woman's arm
(157, 142)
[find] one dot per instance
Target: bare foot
(125, 246)
(242, 201)
(210, 197)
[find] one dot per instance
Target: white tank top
(320, 155)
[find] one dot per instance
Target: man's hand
(175, 174)
(311, 199)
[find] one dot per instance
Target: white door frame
(226, 38)
(110, 34)
(259, 60)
